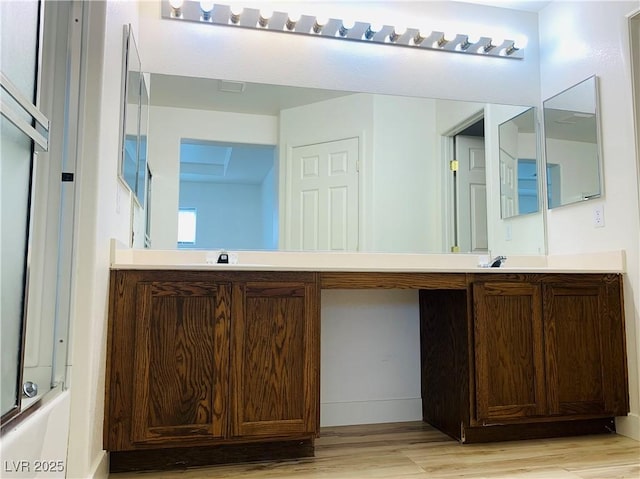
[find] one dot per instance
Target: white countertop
(598, 262)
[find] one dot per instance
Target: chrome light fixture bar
(265, 19)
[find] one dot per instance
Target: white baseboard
(100, 467)
(370, 412)
(629, 426)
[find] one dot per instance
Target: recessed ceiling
(217, 162)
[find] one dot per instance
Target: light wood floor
(417, 451)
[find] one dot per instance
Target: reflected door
(324, 196)
(471, 194)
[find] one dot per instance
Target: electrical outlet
(598, 216)
(507, 232)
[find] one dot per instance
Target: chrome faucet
(497, 261)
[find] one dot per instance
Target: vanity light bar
(263, 19)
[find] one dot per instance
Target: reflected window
(187, 218)
(527, 186)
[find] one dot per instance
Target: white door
(471, 195)
(323, 196)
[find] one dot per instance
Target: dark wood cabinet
(584, 348)
(201, 358)
(545, 357)
(181, 362)
(509, 361)
(274, 363)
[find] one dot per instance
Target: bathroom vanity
(212, 363)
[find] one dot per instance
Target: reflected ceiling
(230, 96)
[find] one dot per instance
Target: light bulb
(521, 41)
(517, 44)
(176, 6)
(450, 35)
(319, 24)
(397, 33)
(423, 33)
(493, 43)
(372, 30)
(292, 18)
(468, 41)
(236, 11)
(206, 6)
(265, 16)
(347, 24)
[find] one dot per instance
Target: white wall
(580, 39)
(103, 212)
(370, 350)
(228, 215)
(407, 187)
(577, 161)
(184, 48)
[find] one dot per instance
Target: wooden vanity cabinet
(180, 362)
(548, 347)
(198, 358)
(508, 343)
(274, 357)
(524, 355)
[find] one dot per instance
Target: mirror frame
(598, 147)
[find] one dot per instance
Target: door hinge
(358, 166)
(453, 165)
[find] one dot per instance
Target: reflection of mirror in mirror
(370, 170)
(518, 165)
(572, 144)
(135, 117)
(141, 167)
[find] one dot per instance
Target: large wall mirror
(135, 111)
(267, 167)
(519, 187)
(572, 144)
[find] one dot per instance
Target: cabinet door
(181, 367)
(275, 351)
(577, 350)
(510, 380)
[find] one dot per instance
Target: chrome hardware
(30, 389)
(497, 261)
